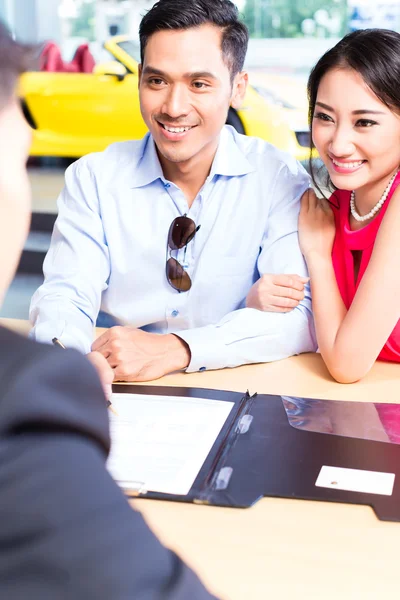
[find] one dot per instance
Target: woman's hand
(276, 293)
(316, 226)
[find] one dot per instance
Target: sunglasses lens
(177, 276)
(181, 232)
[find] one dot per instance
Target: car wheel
(234, 120)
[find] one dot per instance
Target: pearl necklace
(377, 206)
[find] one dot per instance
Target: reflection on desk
(283, 548)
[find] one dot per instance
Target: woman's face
(356, 135)
(15, 196)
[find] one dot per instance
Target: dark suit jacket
(66, 529)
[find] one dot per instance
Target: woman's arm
(276, 293)
(350, 341)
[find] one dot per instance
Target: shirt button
(167, 185)
(202, 368)
(175, 313)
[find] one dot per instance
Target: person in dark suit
(66, 530)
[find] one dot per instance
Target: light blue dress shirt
(109, 250)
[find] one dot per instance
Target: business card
(356, 480)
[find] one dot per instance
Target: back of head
(14, 60)
(15, 139)
(185, 14)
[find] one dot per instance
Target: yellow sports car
(73, 113)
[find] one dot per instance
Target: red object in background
(83, 59)
(51, 60)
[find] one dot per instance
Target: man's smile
(176, 132)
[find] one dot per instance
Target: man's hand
(136, 355)
(276, 293)
(104, 371)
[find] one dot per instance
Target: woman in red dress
(351, 242)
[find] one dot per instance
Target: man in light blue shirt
(111, 247)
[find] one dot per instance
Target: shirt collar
(229, 160)
(148, 168)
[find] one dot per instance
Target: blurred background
(83, 94)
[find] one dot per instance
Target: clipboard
(259, 453)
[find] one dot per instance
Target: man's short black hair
(15, 58)
(185, 14)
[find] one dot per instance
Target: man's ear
(239, 89)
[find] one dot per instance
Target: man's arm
(76, 267)
(243, 336)
(70, 530)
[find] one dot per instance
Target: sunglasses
(181, 232)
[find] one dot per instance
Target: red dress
(347, 241)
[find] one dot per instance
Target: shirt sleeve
(251, 336)
(76, 267)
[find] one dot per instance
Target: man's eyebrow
(149, 70)
(200, 75)
(362, 111)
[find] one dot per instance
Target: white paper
(159, 443)
(356, 480)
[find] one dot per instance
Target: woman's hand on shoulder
(316, 225)
(276, 293)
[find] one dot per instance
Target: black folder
(259, 453)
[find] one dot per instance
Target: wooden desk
(281, 549)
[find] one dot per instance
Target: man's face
(185, 92)
(14, 189)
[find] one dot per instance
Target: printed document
(159, 443)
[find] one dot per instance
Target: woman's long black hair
(375, 55)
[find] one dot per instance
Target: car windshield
(132, 48)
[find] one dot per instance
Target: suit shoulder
(24, 355)
(46, 385)
(20, 350)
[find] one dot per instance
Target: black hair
(185, 14)
(375, 55)
(15, 58)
